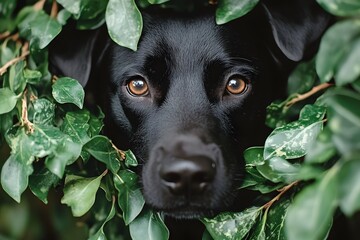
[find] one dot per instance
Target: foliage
(309, 166)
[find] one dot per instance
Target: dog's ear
(296, 25)
(75, 53)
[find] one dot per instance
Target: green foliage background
(50, 144)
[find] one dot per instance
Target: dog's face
(191, 99)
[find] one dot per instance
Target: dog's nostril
(183, 176)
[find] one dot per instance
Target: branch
(25, 52)
(54, 9)
(277, 197)
(24, 114)
(39, 5)
(120, 152)
(314, 90)
(4, 35)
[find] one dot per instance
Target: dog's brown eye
(236, 85)
(137, 87)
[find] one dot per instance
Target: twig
(4, 68)
(314, 90)
(24, 114)
(54, 9)
(120, 152)
(4, 35)
(39, 5)
(277, 197)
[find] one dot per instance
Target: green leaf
(206, 236)
(148, 226)
(100, 235)
(44, 140)
(157, 1)
(130, 198)
(68, 90)
(95, 124)
(313, 207)
(32, 76)
(349, 187)
(130, 159)
(278, 170)
(302, 78)
(65, 153)
(294, 139)
(44, 112)
(254, 156)
(349, 70)
(73, 6)
(124, 22)
(259, 231)
(80, 193)
(229, 225)
(40, 183)
(335, 45)
(341, 8)
(101, 148)
(15, 176)
(8, 100)
(228, 10)
(323, 148)
(275, 227)
(43, 30)
(356, 85)
(76, 126)
(7, 7)
(344, 119)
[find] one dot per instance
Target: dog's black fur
(188, 131)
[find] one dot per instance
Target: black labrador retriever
(193, 96)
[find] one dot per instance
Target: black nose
(189, 176)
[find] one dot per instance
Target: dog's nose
(188, 176)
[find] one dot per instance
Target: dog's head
(193, 96)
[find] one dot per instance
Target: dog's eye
(137, 87)
(236, 85)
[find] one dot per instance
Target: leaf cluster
(308, 167)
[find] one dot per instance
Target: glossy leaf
(15, 176)
(100, 234)
(8, 100)
(43, 30)
(349, 70)
(294, 139)
(302, 78)
(44, 112)
(40, 183)
(101, 148)
(254, 156)
(332, 50)
(232, 225)
(68, 90)
(278, 170)
(323, 148)
(340, 7)
(231, 9)
(148, 226)
(130, 198)
(130, 159)
(349, 187)
(73, 6)
(313, 207)
(64, 154)
(80, 193)
(124, 23)
(275, 229)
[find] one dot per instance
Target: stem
(54, 9)
(277, 197)
(314, 90)
(4, 35)
(120, 152)
(24, 54)
(39, 5)
(24, 114)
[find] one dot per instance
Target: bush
(309, 167)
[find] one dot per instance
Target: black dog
(193, 96)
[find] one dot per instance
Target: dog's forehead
(194, 39)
